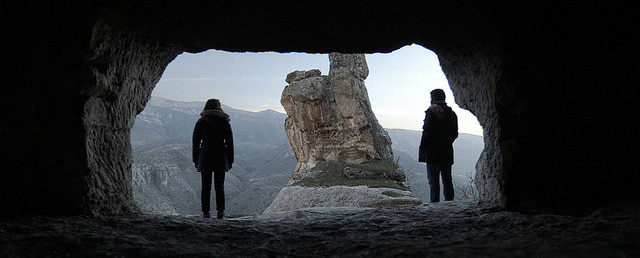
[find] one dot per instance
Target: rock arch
(77, 76)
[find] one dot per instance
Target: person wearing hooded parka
(213, 153)
(439, 131)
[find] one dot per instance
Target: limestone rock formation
(300, 75)
(298, 197)
(330, 117)
(331, 128)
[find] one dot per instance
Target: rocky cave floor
(456, 228)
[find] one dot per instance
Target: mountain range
(165, 180)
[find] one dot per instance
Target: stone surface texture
(449, 229)
(330, 117)
(301, 75)
(123, 83)
(293, 198)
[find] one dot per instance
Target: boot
(220, 215)
(206, 215)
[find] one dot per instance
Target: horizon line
(284, 113)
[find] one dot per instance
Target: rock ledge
(298, 197)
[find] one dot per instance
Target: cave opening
(249, 86)
(514, 66)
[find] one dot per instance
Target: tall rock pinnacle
(344, 155)
(330, 117)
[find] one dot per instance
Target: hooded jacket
(439, 131)
(213, 142)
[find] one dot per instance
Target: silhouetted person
(213, 153)
(439, 131)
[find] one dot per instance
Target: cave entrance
(249, 86)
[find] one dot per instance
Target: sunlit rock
(330, 117)
(344, 155)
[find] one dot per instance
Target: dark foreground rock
(444, 229)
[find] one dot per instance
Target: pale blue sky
(398, 84)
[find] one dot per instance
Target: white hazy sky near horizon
(398, 84)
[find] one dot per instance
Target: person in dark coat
(439, 131)
(213, 153)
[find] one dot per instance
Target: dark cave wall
(564, 114)
(42, 151)
(538, 78)
(74, 83)
(125, 67)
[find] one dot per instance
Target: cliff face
(330, 117)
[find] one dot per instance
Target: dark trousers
(433, 173)
(205, 194)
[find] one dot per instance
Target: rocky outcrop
(339, 184)
(298, 197)
(330, 117)
(331, 127)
